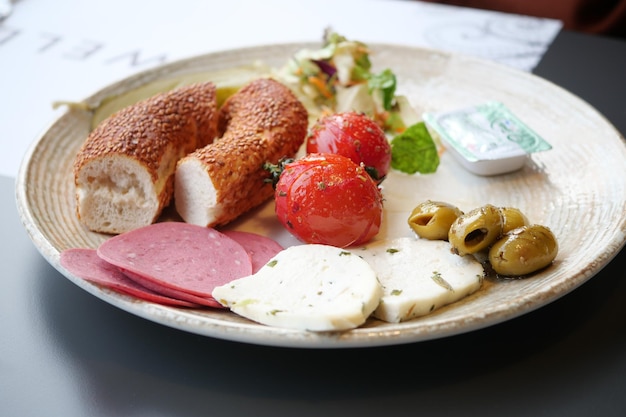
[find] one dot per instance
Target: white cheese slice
(419, 276)
(306, 287)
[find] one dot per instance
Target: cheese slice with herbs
(419, 276)
(306, 287)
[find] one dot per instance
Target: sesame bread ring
(262, 122)
(124, 171)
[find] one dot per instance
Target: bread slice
(262, 122)
(124, 171)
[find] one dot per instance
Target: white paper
(53, 50)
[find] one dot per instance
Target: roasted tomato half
(356, 136)
(328, 199)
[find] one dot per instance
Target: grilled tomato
(353, 135)
(328, 199)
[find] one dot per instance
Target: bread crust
(144, 140)
(263, 122)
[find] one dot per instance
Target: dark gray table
(65, 353)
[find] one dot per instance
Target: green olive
(475, 230)
(523, 250)
(432, 219)
(512, 218)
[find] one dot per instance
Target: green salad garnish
(339, 77)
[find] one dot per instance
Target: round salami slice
(170, 292)
(86, 264)
(260, 248)
(179, 256)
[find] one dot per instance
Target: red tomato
(328, 199)
(356, 136)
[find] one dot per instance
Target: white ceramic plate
(578, 189)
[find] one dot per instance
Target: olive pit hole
(423, 220)
(475, 237)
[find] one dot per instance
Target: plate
(578, 189)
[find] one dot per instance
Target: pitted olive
(475, 230)
(432, 219)
(523, 250)
(512, 218)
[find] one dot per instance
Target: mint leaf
(414, 151)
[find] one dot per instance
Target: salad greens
(338, 77)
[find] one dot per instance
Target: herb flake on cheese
(436, 276)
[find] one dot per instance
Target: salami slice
(260, 248)
(86, 264)
(170, 292)
(179, 256)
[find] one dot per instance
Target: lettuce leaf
(384, 81)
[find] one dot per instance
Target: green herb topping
(440, 281)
